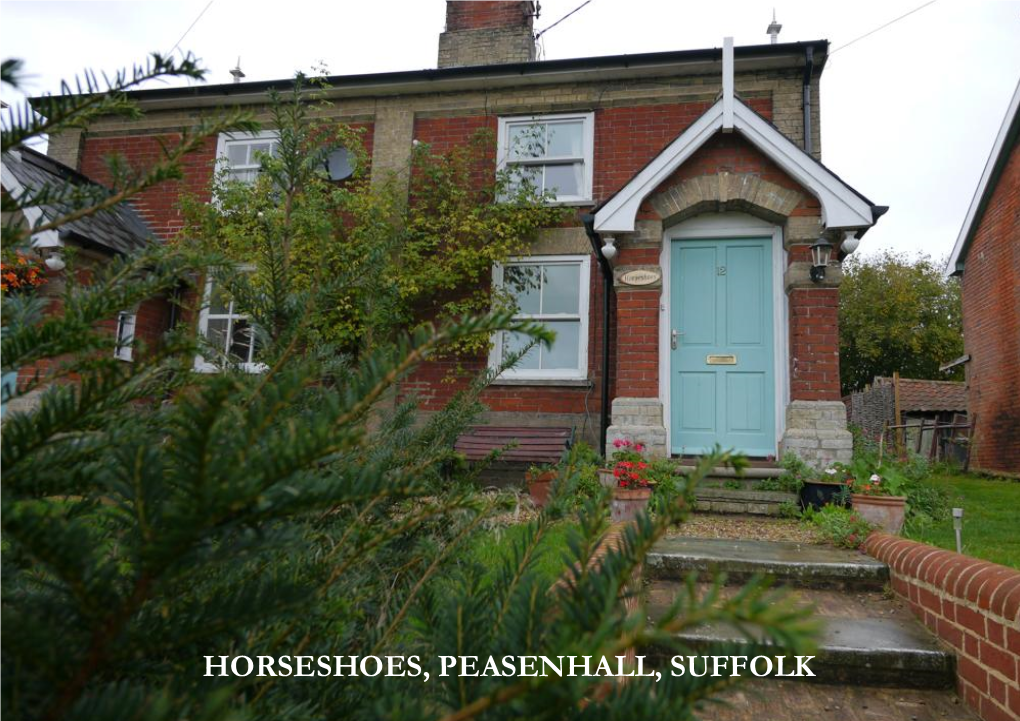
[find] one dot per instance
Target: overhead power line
(543, 32)
(193, 24)
(882, 27)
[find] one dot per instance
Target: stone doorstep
(714, 498)
(746, 484)
(791, 564)
(873, 652)
(727, 472)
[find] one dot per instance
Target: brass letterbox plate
(721, 360)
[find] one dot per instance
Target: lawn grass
(496, 547)
(991, 518)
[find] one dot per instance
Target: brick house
(95, 239)
(987, 260)
(684, 295)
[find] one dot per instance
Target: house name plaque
(641, 276)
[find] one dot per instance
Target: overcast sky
(908, 114)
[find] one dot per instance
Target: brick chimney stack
(487, 33)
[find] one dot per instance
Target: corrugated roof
(120, 229)
(924, 395)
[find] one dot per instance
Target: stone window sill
(562, 382)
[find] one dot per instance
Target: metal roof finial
(237, 72)
(774, 28)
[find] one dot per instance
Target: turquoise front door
(722, 354)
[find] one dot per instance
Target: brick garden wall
(972, 605)
(991, 327)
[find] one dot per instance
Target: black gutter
(597, 62)
(809, 67)
(607, 287)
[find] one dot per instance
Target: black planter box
(817, 494)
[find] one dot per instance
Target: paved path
(875, 662)
(772, 700)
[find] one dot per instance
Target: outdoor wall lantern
(54, 261)
(609, 249)
(821, 252)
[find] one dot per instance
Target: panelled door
(722, 364)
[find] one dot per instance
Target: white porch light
(609, 249)
(850, 242)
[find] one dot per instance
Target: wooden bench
(529, 444)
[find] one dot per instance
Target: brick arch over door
(725, 192)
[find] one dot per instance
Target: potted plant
(876, 498)
(540, 480)
(823, 490)
(632, 484)
(625, 450)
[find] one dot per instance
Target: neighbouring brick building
(118, 231)
(699, 190)
(987, 260)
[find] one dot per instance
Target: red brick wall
(814, 344)
(972, 605)
(448, 134)
(637, 340)
(160, 205)
(627, 138)
(991, 326)
(474, 15)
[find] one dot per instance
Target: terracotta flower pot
(539, 486)
(607, 478)
(627, 503)
(886, 512)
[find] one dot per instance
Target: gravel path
(713, 525)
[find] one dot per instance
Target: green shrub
(795, 473)
(668, 484)
(841, 526)
(582, 464)
(789, 509)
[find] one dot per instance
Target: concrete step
(742, 484)
(791, 564)
(756, 473)
(872, 651)
(866, 637)
(791, 701)
(719, 499)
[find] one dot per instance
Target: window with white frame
(241, 153)
(125, 335)
(554, 291)
(228, 332)
(553, 152)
